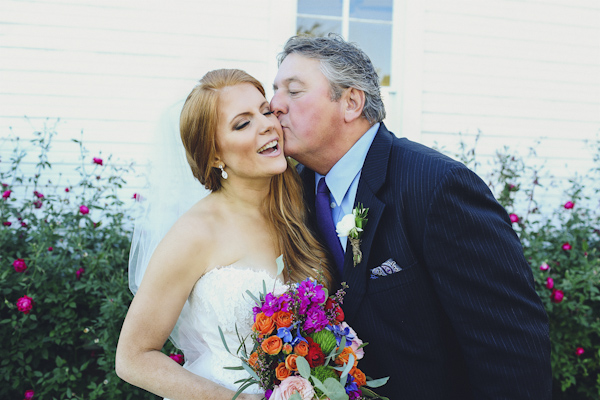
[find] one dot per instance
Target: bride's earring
(223, 172)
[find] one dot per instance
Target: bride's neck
(245, 195)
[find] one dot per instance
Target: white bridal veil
(170, 192)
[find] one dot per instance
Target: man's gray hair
(344, 65)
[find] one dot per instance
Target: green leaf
(349, 365)
(240, 368)
(280, 264)
(334, 389)
(303, 367)
(371, 394)
(223, 340)
(375, 383)
(296, 396)
(253, 297)
(250, 371)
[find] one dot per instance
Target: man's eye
(293, 93)
(242, 126)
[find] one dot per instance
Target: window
(365, 22)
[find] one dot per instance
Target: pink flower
(50, 248)
(178, 358)
(356, 342)
(136, 196)
(514, 218)
(7, 223)
(97, 161)
(24, 224)
(544, 266)
(37, 204)
(67, 190)
(569, 205)
(579, 351)
(291, 385)
(19, 265)
(557, 296)
(566, 246)
(29, 394)
(549, 283)
(84, 210)
(38, 194)
(79, 272)
(25, 304)
(6, 194)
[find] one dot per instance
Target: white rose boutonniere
(352, 225)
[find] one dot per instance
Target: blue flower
(284, 334)
(339, 333)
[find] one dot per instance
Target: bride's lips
(270, 149)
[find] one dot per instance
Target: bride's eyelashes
(244, 124)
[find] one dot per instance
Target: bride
(225, 244)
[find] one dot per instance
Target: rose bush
(63, 277)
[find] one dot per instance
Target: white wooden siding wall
(525, 73)
(108, 68)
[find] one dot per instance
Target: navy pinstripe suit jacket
(462, 319)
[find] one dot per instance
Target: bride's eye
(241, 126)
(266, 114)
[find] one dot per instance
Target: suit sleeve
(486, 288)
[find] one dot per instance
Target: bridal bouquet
(302, 348)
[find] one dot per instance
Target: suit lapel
(373, 176)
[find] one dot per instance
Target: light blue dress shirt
(342, 179)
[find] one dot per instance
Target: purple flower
(272, 305)
(7, 223)
(29, 394)
(268, 393)
(310, 292)
(38, 194)
(37, 204)
(178, 358)
(316, 319)
(579, 351)
(339, 333)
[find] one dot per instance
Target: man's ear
(354, 102)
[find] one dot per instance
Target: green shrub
(66, 248)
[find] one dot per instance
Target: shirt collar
(341, 175)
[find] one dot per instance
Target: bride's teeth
(268, 145)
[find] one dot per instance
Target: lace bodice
(219, 299)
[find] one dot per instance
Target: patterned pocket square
(387, 268)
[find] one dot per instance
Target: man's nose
(277, 106)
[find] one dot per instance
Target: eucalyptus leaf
(296, 396)
(334, 389)
(280, 264)
(303, 367)
(223, 340)
(240, 368)
(250, 371)
(375, 383)
(253, 297)
(349, 365)
(371, 394)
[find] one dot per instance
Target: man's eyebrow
(288, 81)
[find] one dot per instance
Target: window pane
(320, 7)
(376, 41)
(371, 9)
(318, 26)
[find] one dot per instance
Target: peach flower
(283, 319)
(301, 349)
(272, 345)
(291, 385)
(281, 372)
(263, 325)
(290, 362)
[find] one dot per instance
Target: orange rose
(301, 349)
(253, 359)
(263, 325)
(281, 372)
(283, 319)
(345, 356)
(272, 345)
(359, 376)
(287, 348)
(290, 362)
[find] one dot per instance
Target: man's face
(302, 102)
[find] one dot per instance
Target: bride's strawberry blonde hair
(284, 207)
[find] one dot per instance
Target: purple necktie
(326, 226)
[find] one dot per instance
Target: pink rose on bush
(544, 266)
(178, 358)
(566, 246)
(84, 210)
(25, 304)
(38, 194)
(557, 296)
(67, 190)
(29, 394)
(50, 248)
(7, 223)
(79, 272)
(579, 351)
(569, 205)
(97, 161)
(549, 283)
(6, 194)
(514, 218)
(19, 265)
(37, 204)
(291, 385)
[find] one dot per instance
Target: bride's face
(249, 136)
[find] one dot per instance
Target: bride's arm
(172, 272)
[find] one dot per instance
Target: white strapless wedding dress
(219, 299)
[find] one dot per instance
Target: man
(452, 312)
